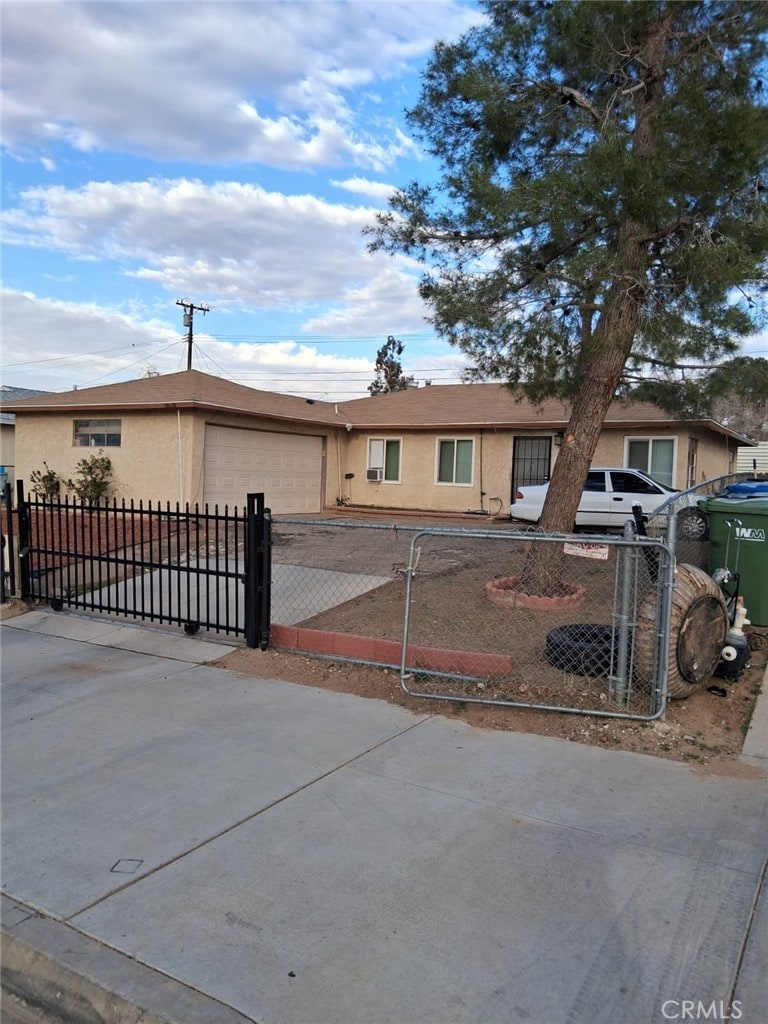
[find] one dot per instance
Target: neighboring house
(753, 460)
(191, 437)
(8, 427)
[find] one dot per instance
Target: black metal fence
(197, 568)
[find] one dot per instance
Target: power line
(127, 366)
(76, 358)
(317, 339)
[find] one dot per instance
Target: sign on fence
(598, 551)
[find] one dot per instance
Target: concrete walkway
(185, 844)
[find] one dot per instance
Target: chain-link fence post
(619, 679)
(665, 588)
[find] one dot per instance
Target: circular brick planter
(504, 593)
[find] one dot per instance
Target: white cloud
(278, 83)
(302, 86)
(53, 345)
(386, 304)
(234, 244)
(378, 190)
(756, 345)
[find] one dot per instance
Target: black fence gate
(199, 569)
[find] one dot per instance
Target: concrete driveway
(183, 843)
(298, 592)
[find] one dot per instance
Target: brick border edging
(388, 652)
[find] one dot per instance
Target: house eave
(112, 408)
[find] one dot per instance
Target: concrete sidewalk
(181, 843)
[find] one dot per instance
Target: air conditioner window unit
(375, 475)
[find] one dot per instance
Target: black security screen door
(531, 461)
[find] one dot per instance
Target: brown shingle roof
(184, 390)
(474, 405)
(471, 406)
(439, 407)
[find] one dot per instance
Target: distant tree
(749, 420)
(739, 393)
(602, 200)
(734, 393)
(389, 369)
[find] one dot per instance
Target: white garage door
(286, 467)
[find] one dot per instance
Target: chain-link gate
(444, 606)
(586, 638)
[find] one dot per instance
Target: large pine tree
(601, 202)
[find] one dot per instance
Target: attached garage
(288, 468)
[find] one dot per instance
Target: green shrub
(45, 485)
(93, 479)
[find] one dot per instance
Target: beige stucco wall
(418, 487)
(161, 456)
(714, 457)
(145, 467)
(717, 456)
(492, 474)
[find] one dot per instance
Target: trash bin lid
(733, 505)
(747, 488)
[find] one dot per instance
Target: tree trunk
(603, 366)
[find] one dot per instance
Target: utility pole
(189, 313)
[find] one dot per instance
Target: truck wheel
(698, 625)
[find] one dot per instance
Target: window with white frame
(654, 456)
(454, 460)
(384, 459)
(98, 433)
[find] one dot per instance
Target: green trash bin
(738, 540)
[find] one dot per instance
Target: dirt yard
(707, 730)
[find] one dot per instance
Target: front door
(531, 461)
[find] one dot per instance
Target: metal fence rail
(690, 540)
(441, 605)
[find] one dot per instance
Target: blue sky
(225, 153)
